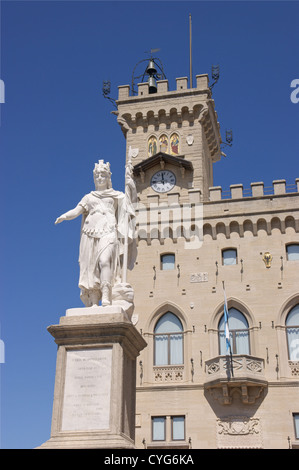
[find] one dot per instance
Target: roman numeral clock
(163, 175)
(163, 181)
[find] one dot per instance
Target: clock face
(163, 181)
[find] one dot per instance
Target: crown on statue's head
(102, 166)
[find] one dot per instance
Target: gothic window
(168, 341)
(238, 331)
(292, 329)
(292, 251)
(167, 261)
(229, 256)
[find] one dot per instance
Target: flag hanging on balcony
(227, 334)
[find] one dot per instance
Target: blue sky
(55, 124)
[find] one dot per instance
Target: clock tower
(174, 139)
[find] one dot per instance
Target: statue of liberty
(107, 235)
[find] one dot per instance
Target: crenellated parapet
(261, 213)
(202, 85)
(258, 210)
(278, 188)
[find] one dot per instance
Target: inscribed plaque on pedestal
(86, 402)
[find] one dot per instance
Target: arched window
(238, 331)
(292, 329)
(168, 337)
(167, 261)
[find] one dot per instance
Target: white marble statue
(107, 239)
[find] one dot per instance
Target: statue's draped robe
(103, 228)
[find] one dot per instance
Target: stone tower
(180, 127)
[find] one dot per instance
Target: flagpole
(190, 48)
(129, 199)
(227, 333)
(125, 260)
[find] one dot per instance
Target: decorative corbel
(182, 171)
(203, 112)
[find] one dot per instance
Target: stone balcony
(242, 375)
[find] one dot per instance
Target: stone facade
(252, 405)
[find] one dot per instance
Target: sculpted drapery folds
(107, 230)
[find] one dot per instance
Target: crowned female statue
(107, 230)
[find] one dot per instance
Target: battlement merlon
(184, 104)
(257, 190)
(202, 85)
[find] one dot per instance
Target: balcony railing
(242, 374)
(171, 373)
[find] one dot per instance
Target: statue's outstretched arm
(72, 214)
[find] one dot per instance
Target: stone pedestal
(95, 384)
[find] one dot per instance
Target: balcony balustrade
(237, 374)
